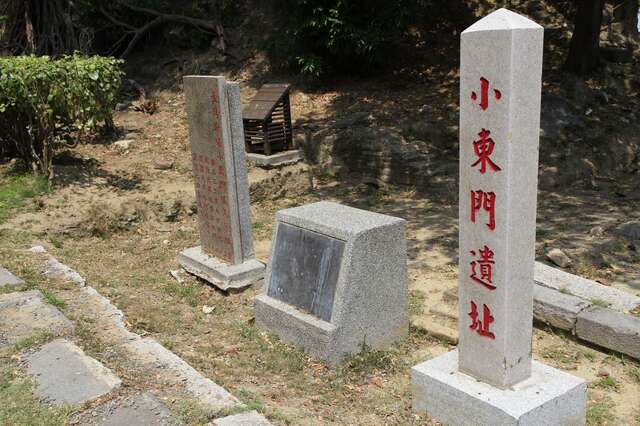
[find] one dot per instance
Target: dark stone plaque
(305, 269)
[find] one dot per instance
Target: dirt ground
(120, 221)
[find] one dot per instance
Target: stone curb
(203, 389)
(610, 329)
(583, 288)
(566, 301)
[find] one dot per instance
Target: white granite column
(500, 83)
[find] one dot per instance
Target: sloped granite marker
(490, 378)
(336, 281)
(225, 257)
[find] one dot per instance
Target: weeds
(52, 299)
(20, 406)
(599, 412)
(30, 342)
(16, 189)
(601, 303)
(606, 383)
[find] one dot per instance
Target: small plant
(368, 360)
(565, 290)
(416, 302)
(599, 412)
(30, 342)
(601, 303)
(606, 383)
(56, 242)
(52, 299)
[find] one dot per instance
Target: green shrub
(320, 37)
(45, 103)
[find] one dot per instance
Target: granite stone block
(369, 303)
(557, 309)
(610, 329)
(548, 397)
(583, 288)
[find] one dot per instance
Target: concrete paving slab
(27, 314)
(251, 418)
(65, 375)
(8, 279)
(142, 409)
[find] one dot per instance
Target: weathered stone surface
(275, 160)
(610, 329)
(8, 279)
(548, 397)
(54, 269)
(27, 314)
(555, 308)
(583, 288)
(309, 281)
(370, 301)
(65, 375)
(252, 418)
(219, 273)
(142, 409)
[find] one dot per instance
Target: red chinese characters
(483, 148)
(481, 325)
(211, 192)
(482, 268)
(484, 94)
(481, 200)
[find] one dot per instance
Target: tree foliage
(320, 37)
(45, 103)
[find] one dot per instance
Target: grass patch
(606, 383)
(56, 242)
(561, 356)
(416, 302)
(20, 406)
(634, 373)
(15, 190)
(599, 412)
(600, 302)
(192, 413)
(30, 342)
(367, 361)
(189, 293)
(564, 290)
(52, 299)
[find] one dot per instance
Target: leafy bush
(320, 37)
(45, 103)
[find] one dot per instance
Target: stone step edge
(205, 390)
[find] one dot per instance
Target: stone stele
(337, 280)
(225, 257)
(490, 379)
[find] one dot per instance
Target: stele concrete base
(336, 280)
(275, 160)
(548, 397)
(219, 273)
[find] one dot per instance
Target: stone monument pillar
(490, 379)
(225, 257)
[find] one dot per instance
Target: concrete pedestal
(278, 159)
(219, 273)
(548, 397)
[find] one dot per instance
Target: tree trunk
(585, 44)
(631, 18)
